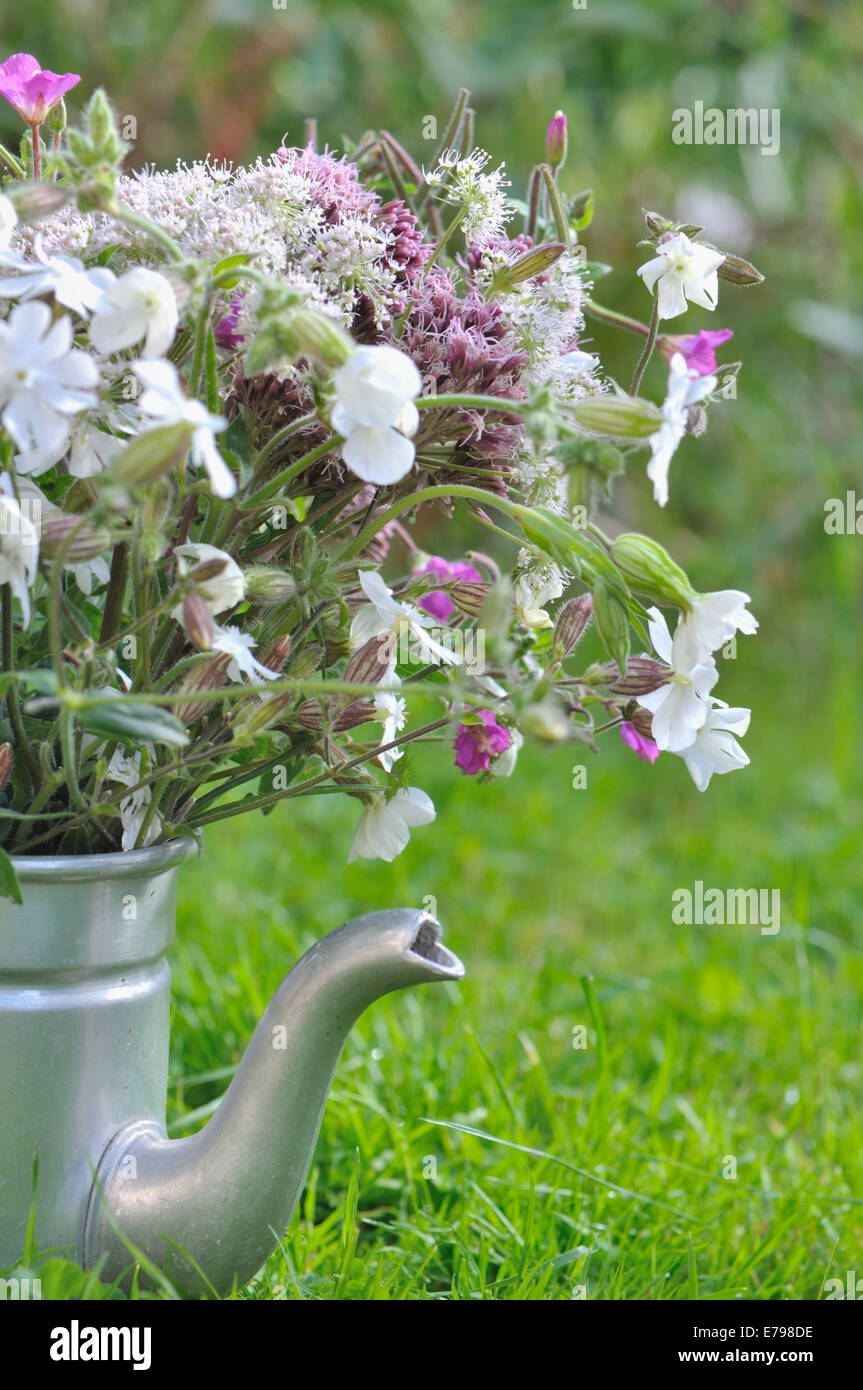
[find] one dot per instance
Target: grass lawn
(706, 1140)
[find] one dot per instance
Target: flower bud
(57, 117)
(612, 623)
(581, 208)
(656, 223)
(152, 454)
(642, 676)
(556, 141)
(6, 761)
(79, 540)
(469, 596)
(621, 417)
(572, 621)
(108, 145)
(208, 569)
(269, 585)
(35, 200)
(308, 661)
(649, 569)
(696, 419)
(371, 662)
(198, 622)
(531, 263)
(642, 721)
(277, 653)
(739, 272)
(318, 336)
(205, 676)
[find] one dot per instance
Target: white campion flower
(93, 451)
(375, 413)
(163, 400)
(685, 388)
(385, 826)
(715, 749)
(89, 572)
(19, 548)
(133, 808)
(64, 277)
(711, 620)
(534, 588)
(682, 270)
(43, 380)
(140, 304)
(391, 710)
(681, 707)
(8, 221)
(225, 590)
(238, 646)
(386, 617)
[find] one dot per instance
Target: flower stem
(648, 349)
(599, 311)
(37, 153)
(12, 163)
(12, 704)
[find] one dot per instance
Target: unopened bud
(371, 662)
(6, 760)
(556, 141)
(656, 223)
(206, 676)
(269, 585)
(57, 117)
(76, 539)
(152, 454)
(572, 621)
(308, 661)
(739, 272)
(277, 653)
(642, 721)
(318, 336)
(469, 596)
(696, 419)
(581, 209)
(35, 200)
(650, 570)
(207, 569)
(198, 622)
(621, 417)
(642, 676)
(612, 624)
(525, 267)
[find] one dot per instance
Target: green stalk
(22, 738)
(648, 349)
(599, 311)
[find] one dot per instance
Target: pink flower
(225, 331)
(697, 348)
(477, 744)
(438, 602)
(555, 140)
(644, 747)
(32, 90)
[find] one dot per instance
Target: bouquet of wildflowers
(244, 412)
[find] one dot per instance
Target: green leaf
(133, 722)
(9, 885)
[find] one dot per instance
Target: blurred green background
(704, 1043)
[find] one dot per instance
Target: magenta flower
(438, 603)
(697, 348)
(225, 331)
(555, 140)
(32, 90)
(644, 747)
(477, 744)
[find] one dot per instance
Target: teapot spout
(212, 1206)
